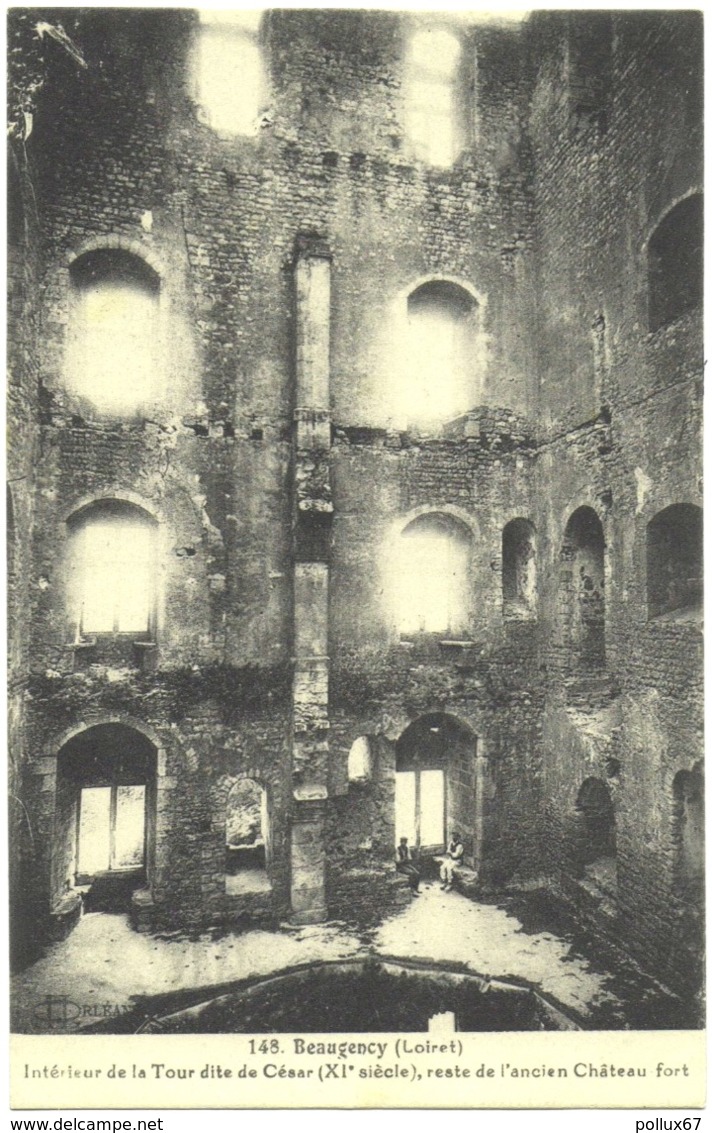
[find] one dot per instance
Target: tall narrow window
(594, 806)
(581, 593)
(433, 576)
(420, 807)
(688, 828)
(675, 263)
(246, 839)
(105, 816)
(434, 789)
(112, 824)
(432, 109)
(674, 556)
(230, 80)
(113, 343)
(440, 364)
(360, 761)
(518, 570)
(113, 570)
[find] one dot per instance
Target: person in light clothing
(453, 858)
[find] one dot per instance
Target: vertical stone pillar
(312, 531)
(479, 823)
(308, 896)
(312, 277)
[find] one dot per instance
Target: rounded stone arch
(479, 298)
(694, 191)
(436, 354)
(246, 803)
(687, 793)
(673, 254)
(595, 808)
(72, 353)
(121, 495)
(519, 567)
(137, 539)
(363, 755)
(438, 788)
(231, 778)
(450, 510)
(582, 582)
(577, 501)
(117, 242)
(152, 734)
(95, 757)
(428, 571)
(673, 558)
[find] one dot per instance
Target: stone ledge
(64, 915)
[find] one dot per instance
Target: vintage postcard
(354, 557)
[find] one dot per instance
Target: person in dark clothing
(405, 864)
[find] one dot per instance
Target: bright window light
(432, 807)
(112, 824)
(230, 74)
(432, 578)
(420, 807)
(435, 51)
(438, 359)
(432, 104)
(112, 350)
(359, 762)
(94, 830)
(405, 806)
(114, 570)
(129, 830)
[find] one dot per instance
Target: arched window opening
(582, 590)
(675, 253)
(594, 807)
(518, 570)
(688, 832)
(105, 815)
(230, 78)
(440, 358)
(113, 349)
(433, 576)
(246, 839)
(435, 758)
(674, 561)
(112, 571)
(432, 119)
(360, 761)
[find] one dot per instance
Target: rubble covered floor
(104, 969)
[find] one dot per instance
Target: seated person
(406, 865)
(453, 858)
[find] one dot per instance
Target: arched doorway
(597, 835)
(104, 832)
(436, 785)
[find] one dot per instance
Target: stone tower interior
(354, 466)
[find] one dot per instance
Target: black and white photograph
(354, 545)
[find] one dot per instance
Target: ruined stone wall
(126, 162)
(23, 272)
(280, 482)
(610, 389)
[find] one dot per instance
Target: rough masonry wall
(611, 389)
(544, 219)
(23, 270)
